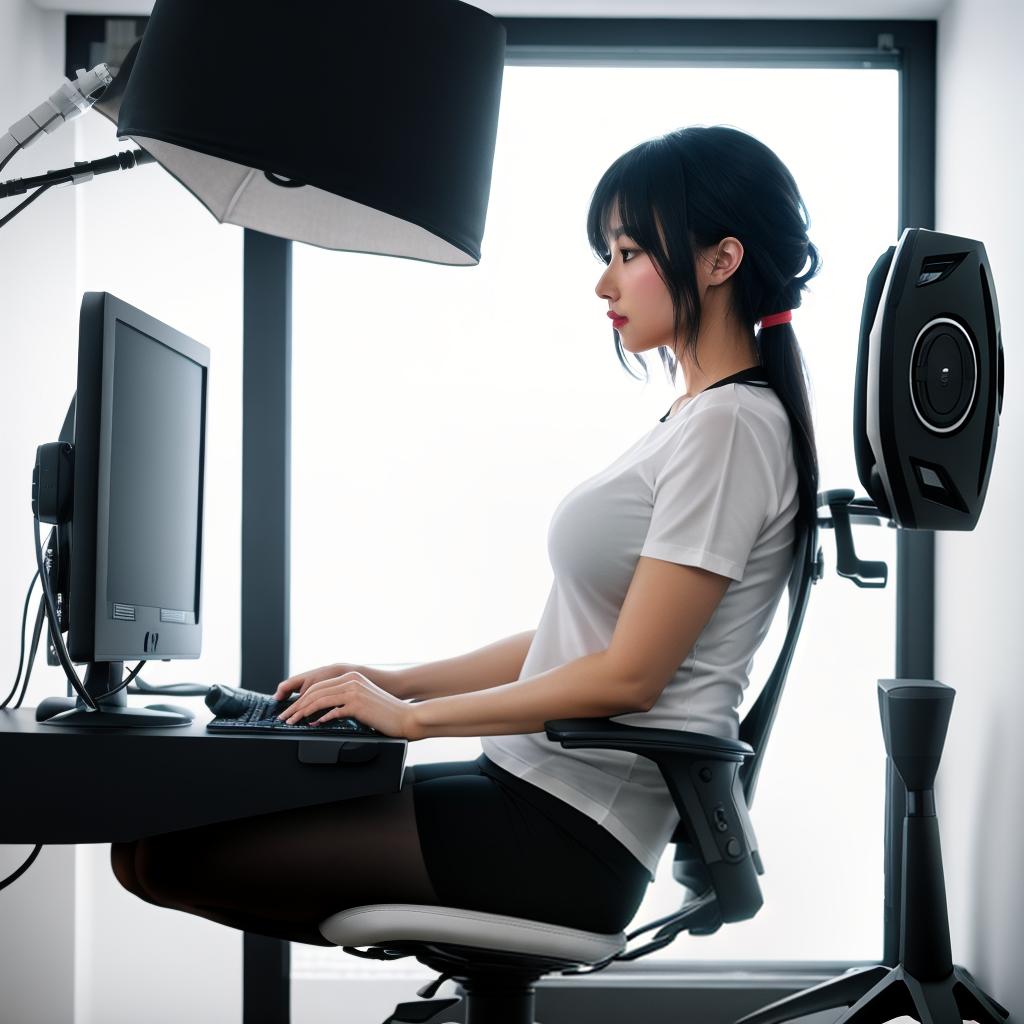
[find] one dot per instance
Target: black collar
(748, 376)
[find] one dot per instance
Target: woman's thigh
(452, 836)
(301, 864)
(489, 848)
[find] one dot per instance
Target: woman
(703, 238)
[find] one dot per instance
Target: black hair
(700, 185)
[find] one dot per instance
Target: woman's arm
(594, 686)
(587, 687)
(497, 663)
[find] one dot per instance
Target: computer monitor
(129, 566)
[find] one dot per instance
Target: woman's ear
(723, 260)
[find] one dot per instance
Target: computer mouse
(187, 712)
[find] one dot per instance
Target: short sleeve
(713, 494)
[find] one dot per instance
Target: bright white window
(440, 414)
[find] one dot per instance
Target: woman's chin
(635, 345)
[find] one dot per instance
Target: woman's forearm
(586, 687)
(493, 665)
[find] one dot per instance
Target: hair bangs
(624, 190)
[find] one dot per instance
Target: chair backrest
(756, 725)
(808, 568)
(740, 898)
(716, 855)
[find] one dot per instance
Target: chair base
(429, 1012)
(879, 994)
(502, 1005)
(498, 985)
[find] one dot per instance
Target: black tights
(281, 874)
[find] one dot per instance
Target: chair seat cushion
(381, 923)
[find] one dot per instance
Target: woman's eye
(607, 256)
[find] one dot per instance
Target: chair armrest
(603, 732)
(702, 776)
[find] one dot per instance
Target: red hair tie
(777, 318)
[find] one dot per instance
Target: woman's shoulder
(757, 405)
(752, 398)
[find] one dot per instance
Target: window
(440, 414)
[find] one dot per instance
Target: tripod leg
(974, 1004)
(842, 991)
(888, 1000)
(934, 1001)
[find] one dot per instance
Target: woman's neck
(700, 380)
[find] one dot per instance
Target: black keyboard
(251, 711)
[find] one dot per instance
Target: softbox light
(368, 127)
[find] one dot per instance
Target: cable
(54, 622)
(24, 867)
(21, 145)
(40, 615)
(141, 686)
(21, 206)
(178, 689)
(55, 636)
(134, 672)
(81, 171)
(131, 675)
(21, 657)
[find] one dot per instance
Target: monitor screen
(155, 453)
(139, 450)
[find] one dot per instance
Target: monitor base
(102, 683)
(113, 717)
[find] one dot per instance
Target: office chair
(496, 959)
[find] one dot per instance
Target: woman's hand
(391, 681)
(352, 695)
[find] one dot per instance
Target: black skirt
(495, 843)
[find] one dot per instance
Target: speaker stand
(925, 985)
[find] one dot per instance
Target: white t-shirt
(713, 485)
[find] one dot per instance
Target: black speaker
(929, 388)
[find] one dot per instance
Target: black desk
(74, 785)
(148, 781)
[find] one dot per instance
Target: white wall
(37, 278)
(979, 644)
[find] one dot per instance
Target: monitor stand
(112, 711)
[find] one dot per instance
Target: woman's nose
(603, 288)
